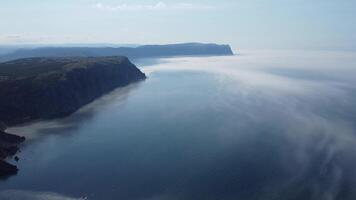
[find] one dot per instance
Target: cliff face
(43, 88)
(187, 49)
(8, 147)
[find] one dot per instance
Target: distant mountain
(42, 88)
(6, 50)
(186, 49)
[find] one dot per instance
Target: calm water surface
(260, 125)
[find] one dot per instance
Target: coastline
(9, 146)
(56, 88)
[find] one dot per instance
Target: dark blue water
(262, 125)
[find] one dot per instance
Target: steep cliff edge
(8, 148)
(43, 88)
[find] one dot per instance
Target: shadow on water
(67, 126)
(247, 132)
(74, 121)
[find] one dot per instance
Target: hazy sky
(309, 24)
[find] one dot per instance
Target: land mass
(185, 49)
(8, 147)
(45, 88)
(51, 82)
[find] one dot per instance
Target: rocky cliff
(8, 148)
(43, 88)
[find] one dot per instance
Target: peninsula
(185, 49)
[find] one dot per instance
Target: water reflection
(74, 121)
(263, 125)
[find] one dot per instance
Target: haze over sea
(258, 125)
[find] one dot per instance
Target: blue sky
(291, 24)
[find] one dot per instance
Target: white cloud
(159, 6)
(13, 36)
(42, 38)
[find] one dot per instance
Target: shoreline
(54, 88)
(9, 146)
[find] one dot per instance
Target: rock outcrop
(8, 147)
(44, 88)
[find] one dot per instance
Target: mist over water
(259, 125)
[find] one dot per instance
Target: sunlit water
(260, 125)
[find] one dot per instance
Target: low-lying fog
(259, 125)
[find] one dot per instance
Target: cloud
(24, 38)
(159, 6)
(42, 38)
(13, 36)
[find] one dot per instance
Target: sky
(253, 24)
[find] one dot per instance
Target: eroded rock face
(43, 88)
(8, 148)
